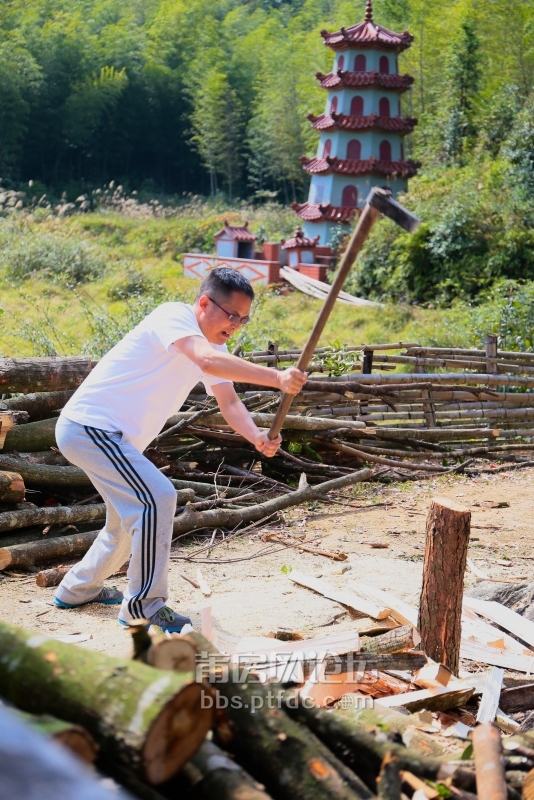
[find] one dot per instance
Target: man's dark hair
(221, 282)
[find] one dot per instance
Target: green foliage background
(179, 100)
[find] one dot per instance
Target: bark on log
(292, 422)
(366, 456)
(148, 721)
(489, 765)
(209, 489)
(45, 475)
(518, 698)
(212, 774)
(76, 738)
(25, 556)
(51, 577)
(391, 642)
(12, 489)
(66, 515)
(280, 753)
(51, 515)
(440, 611)
(39, 405)
(389, 780)
(42, 374)
(221, 517)
(362, 752)
(32, 436)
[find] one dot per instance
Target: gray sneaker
(168, 620)
(107, 596)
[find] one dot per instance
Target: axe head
(382, 200)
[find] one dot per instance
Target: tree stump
(447, 537)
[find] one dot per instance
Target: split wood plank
(498, 657)
(404, 613)
(503, 616)
(343, 596)
(491, 694)
(204, 587)
(339, 643)
(457, 693)
(482, 632)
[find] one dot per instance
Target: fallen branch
(292, 422)
(337, 556)
(224, 518)
(389, 462)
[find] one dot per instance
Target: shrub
(65, 261)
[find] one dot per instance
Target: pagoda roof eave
(346, 166)
(346, 122)
(367, 35)
(345, 79)
(324, 212)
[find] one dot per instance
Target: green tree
(216, 124)
(464, 74)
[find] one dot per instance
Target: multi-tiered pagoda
(362, 130)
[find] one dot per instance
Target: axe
(378, 202)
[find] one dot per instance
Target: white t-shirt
(143, 380)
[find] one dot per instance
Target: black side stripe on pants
(149, 516)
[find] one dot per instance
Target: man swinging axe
(122, 406)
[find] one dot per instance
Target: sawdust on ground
(255, 596)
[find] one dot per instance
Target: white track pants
(141, 504)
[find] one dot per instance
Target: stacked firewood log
(355, 420)
(145, 722)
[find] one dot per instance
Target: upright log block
(447, 537)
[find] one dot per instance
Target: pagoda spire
(369, 11)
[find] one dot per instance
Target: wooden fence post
(491, 352)
(447, 537)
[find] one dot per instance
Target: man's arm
(223, 365)
(238, 417)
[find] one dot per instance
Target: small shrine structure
(235, 242)
(361, 130)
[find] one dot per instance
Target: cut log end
(451, 505)
(12, 489)
(176, 734)
(80, 742)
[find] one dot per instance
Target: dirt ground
(255, 596)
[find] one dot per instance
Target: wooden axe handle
(360, 234)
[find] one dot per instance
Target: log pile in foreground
(304, 719)
(465, 411)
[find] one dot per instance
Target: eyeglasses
(234, 318)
